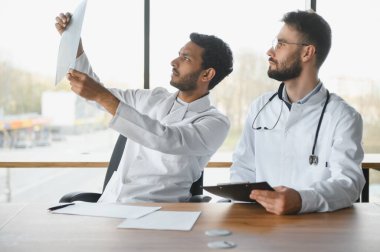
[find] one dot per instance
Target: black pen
(60, 206)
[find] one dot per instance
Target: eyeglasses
(277, 44)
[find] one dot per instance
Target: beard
(187, 82)
(286, 71)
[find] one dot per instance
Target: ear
(208, 74)
(309, 53)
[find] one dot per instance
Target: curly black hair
(217, 54)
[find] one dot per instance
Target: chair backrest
(196, 187)
(115, 158)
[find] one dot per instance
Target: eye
(280, 44)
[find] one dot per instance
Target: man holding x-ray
(304, 141)
(171, 137)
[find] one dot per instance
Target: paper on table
(106, 210)
(164, 220)
(69, 42)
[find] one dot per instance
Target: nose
(270, 52)
(174, 63)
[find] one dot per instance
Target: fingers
(262, 194)
(75, 72)
(59, 28)
(267, 199)
(70, 77)
(283, 200)
(76, 81)
(269, 207)
(280, 188)
(74, 75)
(68, 16)
(62, 20)
(266, 202)
(65, 18)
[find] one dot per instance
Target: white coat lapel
(175, 116)
(164, 110)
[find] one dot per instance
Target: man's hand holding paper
(88, 88)
(70, 27)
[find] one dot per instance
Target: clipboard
(237, 191)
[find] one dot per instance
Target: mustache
(175, 71)
(272, 60)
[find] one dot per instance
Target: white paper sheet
(106, 210)
(69, 42)
(163, 220)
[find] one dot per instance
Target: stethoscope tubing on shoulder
(313, 159)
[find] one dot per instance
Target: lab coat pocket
(319, 172)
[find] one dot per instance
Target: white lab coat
(281, 156)
(165, 151)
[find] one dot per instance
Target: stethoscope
(313, 159)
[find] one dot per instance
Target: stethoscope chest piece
(313, 159)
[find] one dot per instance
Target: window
(36, 116)
(351, 68)
(43, 122)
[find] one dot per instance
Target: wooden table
(253, 229)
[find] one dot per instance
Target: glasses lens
(274, 44)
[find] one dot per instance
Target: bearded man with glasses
(311, 151)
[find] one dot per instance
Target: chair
(196, 189)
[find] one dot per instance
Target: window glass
(37, 117)
(351, 67)
(43, 122)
